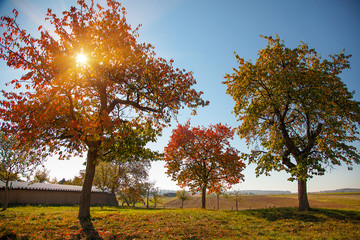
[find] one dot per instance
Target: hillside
(341, 190)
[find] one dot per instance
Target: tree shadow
(314, 215)
(88, 229)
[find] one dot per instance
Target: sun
(81, 58)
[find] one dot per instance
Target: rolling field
(317, 200)
(42, 222)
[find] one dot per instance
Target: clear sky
(201, 36)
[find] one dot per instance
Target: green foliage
(294, 104)
(16, 159)
(183, 195)
(41, 175)
(156, 197)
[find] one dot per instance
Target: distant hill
(244, 192)
(264, 192)
(341, 190)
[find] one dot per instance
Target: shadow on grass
(89, 230)
(314, 215)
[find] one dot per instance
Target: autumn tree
(106, 177)
(77, 180)
(16, 162)
(124, 178)
(183, 195)
(295, 105)
(89, 86)
(202, 159)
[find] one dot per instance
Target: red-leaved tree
(202, 158)
(89, 86)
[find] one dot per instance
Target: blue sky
(201, 36)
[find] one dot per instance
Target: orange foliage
(203, 158)
(62, 104)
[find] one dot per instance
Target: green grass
(128, 223)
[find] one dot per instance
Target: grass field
(317, 200)
(128, 223)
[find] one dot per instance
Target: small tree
(183, 195)
(234, 196)
(148, 188)
(41, 175)
(202, 158)
(218, 194)
(295, 105)
(16, 161)
(156, 196)
(131, 195)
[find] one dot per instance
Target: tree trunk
(237, 208)
(203, 198)
(182, 203)
(218, 201)
(84, 210)
(6, 196)
(302, 195)
(147, 198)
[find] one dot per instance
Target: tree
(148, 187)
(41, 175)
(16, 161)
(296, 106)
(89, 86)
(183, 195)
(123, 177)
(202, 158)
(107, 177)
(131, 195)
(77, 180)
(234, 196)
(156, 196)
(221, 191)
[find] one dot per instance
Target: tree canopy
(202, 158)
(295, 109)
(89, 86)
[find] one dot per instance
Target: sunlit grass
(129, 223)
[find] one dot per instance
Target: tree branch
(128, 102)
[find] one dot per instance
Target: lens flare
(81, 58)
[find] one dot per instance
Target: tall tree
(202, 158)
(89, 86)
(16, 162)
(295, 105)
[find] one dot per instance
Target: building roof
(45, 186)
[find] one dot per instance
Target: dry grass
(328, 200)
(138, 223)
(127, 223)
